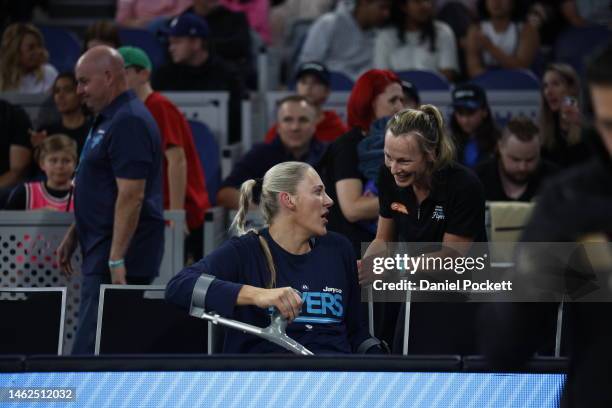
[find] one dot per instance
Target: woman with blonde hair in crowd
(434, 203)
(560, 118)
(259, 270)
(23, 61)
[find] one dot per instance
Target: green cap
(134, 56)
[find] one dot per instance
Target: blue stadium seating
(508, 80)
(340, 82)
(63, 46)
(575, 44)
(208, 151)
(425, 80)
(145, 40)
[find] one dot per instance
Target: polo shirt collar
(115, 105)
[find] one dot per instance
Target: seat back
(63, 46)
(425, 80)
(575, 44)
(208, 151)
(145, 40)
(508, 79)
(340, 82)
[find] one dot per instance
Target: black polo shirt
(455, 205)
(488, 172)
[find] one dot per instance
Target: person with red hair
(376, 94)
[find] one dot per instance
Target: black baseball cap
(469, 96)
(188, 25)
(317, 69)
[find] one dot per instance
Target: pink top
(38, 198)
(257, 12)
(147, 10)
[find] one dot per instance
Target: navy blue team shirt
(331, 320)
(124, 142)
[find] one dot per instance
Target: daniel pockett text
(425, 273)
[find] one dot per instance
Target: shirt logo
(399, 207)
(438, 213)
(97, 138)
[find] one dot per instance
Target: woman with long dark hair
(416, 41)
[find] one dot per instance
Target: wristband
(116, 264)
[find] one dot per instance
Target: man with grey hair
(117, 190)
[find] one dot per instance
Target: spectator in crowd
(573, 208)
(259, 270)
(73, 119)
(343, 40)
(118, 190)
(140, 13)
(552, 17)
(103, 32)
(23, 61)
(313, 83)
(15, 148)
(297, 119)
(57, 157)
(517, 171)
(501, 39)
(416, 41)
(560, 117)
(426, 197)
(195, 68)
(470, 5)
(229, 34)
(183, 176)
(472, 125)
(284, 15)
(376, 94)
(257, 12)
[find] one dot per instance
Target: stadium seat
(208, 150)
(63, 46)
(340, 82)
(574, 44)
(508, 80)
(425, 80)
(145, 40)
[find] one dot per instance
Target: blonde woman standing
(293, 264)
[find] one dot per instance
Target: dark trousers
(85, 337)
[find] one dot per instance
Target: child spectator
(57, 157)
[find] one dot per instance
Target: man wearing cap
(183, 177)
(472, 125)
(344, 39)
(118, 210)
(297, 120)
(516, 171)
(229, 33)
(195, 68)
(313, 83)
(411, 94)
